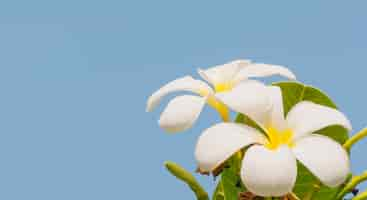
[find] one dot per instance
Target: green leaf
(188, 178)
(230, 184)
(338, 133)
(326, 193)
(306, 183)
(294, 92)
(243, 119)
(218, 193)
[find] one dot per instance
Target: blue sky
(75, 75)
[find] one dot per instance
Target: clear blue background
(75, 76)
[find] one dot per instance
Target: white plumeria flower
(230, 83)
(269, 166)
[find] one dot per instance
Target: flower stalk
(357, 137)
(188, 178)
(293, 196)
(352, 184)
(361, 196)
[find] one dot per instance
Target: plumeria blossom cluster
(228, 81)
(273, 147)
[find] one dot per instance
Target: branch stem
(188, 178)
(352, 184)
(355, 138)
(361, 196)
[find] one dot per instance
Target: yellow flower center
(214, 103)
(223, 87)
(277, 138)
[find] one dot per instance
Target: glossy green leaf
(338, 133)
(307, 183)
(294, 92)
(230, 185)
(243, 119)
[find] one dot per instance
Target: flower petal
(269, 172)
(250, 98)
(186, 83)
(277, 119)
(223, 73)
(325, 158)
(263, 70)
(307, 117)
(222, 140)
(181, 113)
